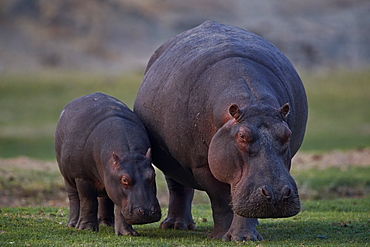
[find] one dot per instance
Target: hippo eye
(241, 136)
(285, 139)
(287, 135)
(125, 181)
(244, 137)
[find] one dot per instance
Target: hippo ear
(284, 110)
(115, 159)
(235, 112)
(149, 154)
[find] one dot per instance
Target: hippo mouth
(265, 210)
(266, 204)
(140, 216)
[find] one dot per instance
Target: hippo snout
(267, 202)
(152, 211)
(143, 215)
(272, 198)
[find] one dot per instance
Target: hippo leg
(88, 205)
(221, 210)
(179, 209)
(242, 229)
(74, 205)
(106, 211)
(121, 227)
(227, 224)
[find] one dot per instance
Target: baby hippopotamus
(103, 153)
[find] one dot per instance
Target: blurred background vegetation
(54, 51)
(30, 106)
(112, 36)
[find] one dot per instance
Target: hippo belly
(225, 112)
(103, 153)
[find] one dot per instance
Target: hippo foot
(71, 224)
(83, 225)
(126, 231)
(178, 224)
(106, 222)
(241, 236)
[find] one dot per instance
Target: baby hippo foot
(105, 211)
(125, 230)
(121, 227)
(178, 224)
(242, 236)
(71, 223)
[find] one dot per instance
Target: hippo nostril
(153, 210)
(265, 192)
(287, 192)
(140, 211)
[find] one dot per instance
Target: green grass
(321, 223)
(339, 115)
(30, 107)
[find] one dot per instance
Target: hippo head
(130, 184)
(251, 152)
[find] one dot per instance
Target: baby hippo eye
(125, 181)
(241, 135)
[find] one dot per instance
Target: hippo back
(176, 97)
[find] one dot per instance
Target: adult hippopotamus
(103, 152)
(225, 112)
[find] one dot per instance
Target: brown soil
(342, 159)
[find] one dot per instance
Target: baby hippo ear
(284, 110)
(116, 160)
(149, 154)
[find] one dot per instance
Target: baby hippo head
(131, 186)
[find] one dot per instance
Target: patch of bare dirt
(28, 163)
(19, 186)
(302, 160)
(341, 159)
